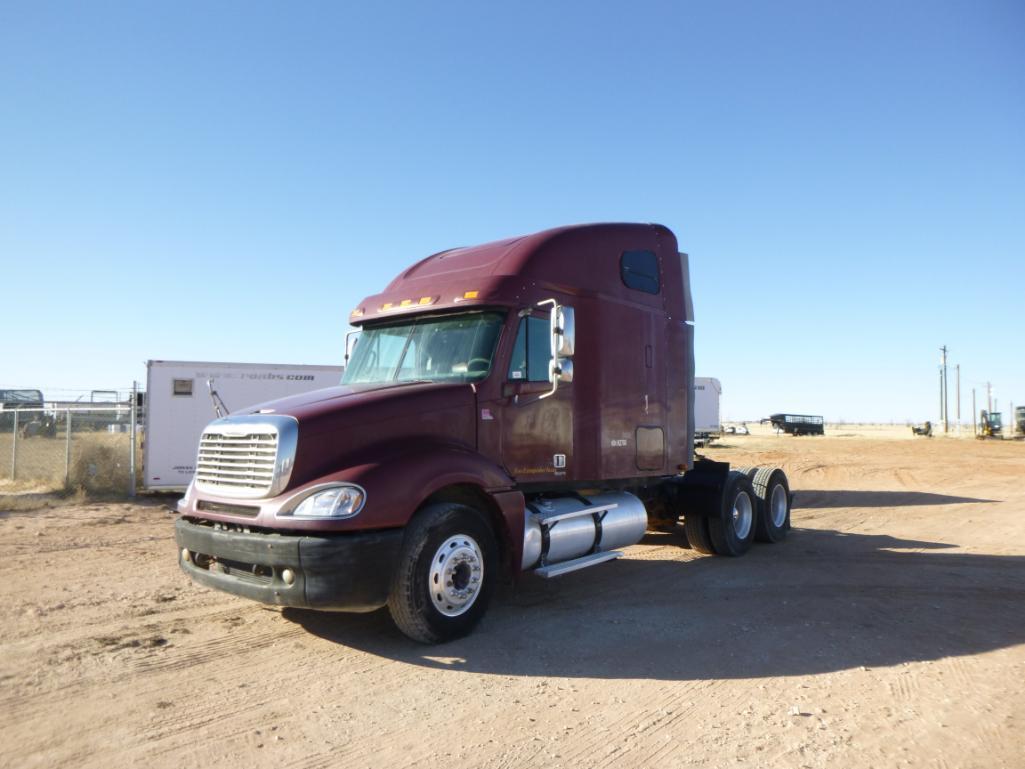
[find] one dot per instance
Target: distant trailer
(707, 423)
(12, 401)
(179, 404)
(798, 424)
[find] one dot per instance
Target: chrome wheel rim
(743, 515)
(778, 505)
(456, 575)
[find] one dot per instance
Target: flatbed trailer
(797, 424)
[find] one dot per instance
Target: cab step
(558, 569)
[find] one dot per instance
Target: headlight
(332, 502)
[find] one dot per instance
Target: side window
(531, 351)
(640, 271)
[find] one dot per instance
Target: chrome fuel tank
(564, 528)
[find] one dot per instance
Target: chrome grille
(245, 456)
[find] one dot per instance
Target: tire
(445, 575)
(733, 530)
(772, 497)
(696, 527)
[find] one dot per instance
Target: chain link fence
(93, 448)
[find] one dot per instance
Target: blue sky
(226, 181)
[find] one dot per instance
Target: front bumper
(337, 572)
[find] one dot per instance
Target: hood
(346, 426)
(327, 399)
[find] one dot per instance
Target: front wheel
(445, 575)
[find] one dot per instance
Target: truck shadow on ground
(822, 601)
(805, 499)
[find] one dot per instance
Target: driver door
(536, 433)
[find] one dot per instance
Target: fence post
(67, 453)
(131, 448)
(14, 447)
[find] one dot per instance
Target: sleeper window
(639, 270)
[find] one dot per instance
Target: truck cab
(525, 405)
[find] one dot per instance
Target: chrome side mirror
(562, 370)
(563, 343)
(563, 325)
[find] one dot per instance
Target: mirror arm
(552, 374)
(347, 337)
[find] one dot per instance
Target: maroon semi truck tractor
(521, 406)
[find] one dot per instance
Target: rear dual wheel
(755, 505)
(728, 528)
(732, 530)
(696, 527)
(773, 496)
(772, 500)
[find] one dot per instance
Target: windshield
(456, 348)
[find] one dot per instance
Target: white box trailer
(179, 406)
(707, 422)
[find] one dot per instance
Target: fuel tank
(563, 528)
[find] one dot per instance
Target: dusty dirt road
(888, 630)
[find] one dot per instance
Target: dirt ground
(888, 630)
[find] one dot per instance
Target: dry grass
(99, 465)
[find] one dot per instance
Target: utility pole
(975, 418)
(989, 396)
(957, 369)
(943, 390)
